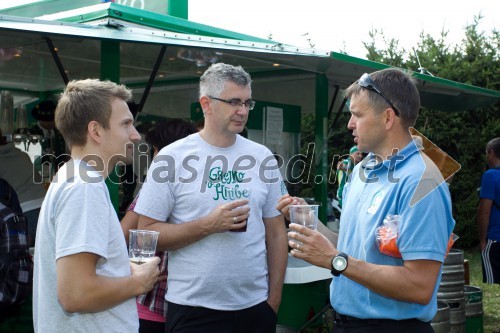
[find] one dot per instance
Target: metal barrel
(451, 289)
(285, 329)
(457, 314)
(452, 276)
(473, 309)
(441, 321)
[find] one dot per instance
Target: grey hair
(212, 82)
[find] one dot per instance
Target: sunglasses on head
(366, 81)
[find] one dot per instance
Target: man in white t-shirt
(218, 191)
(83, 281)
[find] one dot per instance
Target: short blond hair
(83, 101)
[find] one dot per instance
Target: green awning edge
(150, 19)
(463, 87)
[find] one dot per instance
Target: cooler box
(305, 293)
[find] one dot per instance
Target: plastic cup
(306, 215)
(142, 245)
(246, 195)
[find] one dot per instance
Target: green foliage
(307, 137)
(391, 55)
(339, 143)
(463, 135)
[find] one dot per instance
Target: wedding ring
(298, 246)
(234, 219)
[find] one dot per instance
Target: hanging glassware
(21, 134)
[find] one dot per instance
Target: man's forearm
(277, 259)
(332, 236)
(483, 218)
(175, 236)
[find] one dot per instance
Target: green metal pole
(178, 8)
(42, 95)
(110, 70)
(110, 60)
(320, 130)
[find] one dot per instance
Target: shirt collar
(375, 162)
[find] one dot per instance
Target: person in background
(18, 170)
(344, 170)
(16, 264)
(226, 240)
(488, 214)
(371, 291)
(128, 178)
(83, 280)
(152, 307)
(54, 150)
(199, 124)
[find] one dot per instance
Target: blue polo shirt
(490, 189)
(409, 185)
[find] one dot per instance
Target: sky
(344, 25)
(340, 25)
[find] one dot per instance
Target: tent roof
(77, 34)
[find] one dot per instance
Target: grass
(491, 292)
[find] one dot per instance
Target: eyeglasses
(366, 81)
(249, 104)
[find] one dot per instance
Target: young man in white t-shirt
(83, 281)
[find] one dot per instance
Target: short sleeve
(487, 186)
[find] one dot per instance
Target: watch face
(339, 263)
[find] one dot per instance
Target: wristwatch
(339, 264)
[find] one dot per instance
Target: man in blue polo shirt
(371, 291)
(488, 214)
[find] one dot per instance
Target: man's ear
(94, 131)
(205, 104)
(389, 119)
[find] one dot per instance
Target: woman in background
(152, 307)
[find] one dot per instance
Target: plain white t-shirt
(77, 216)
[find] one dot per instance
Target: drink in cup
(142, 245)
(245, 195)
(306, 215)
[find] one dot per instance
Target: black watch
(339, 264)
